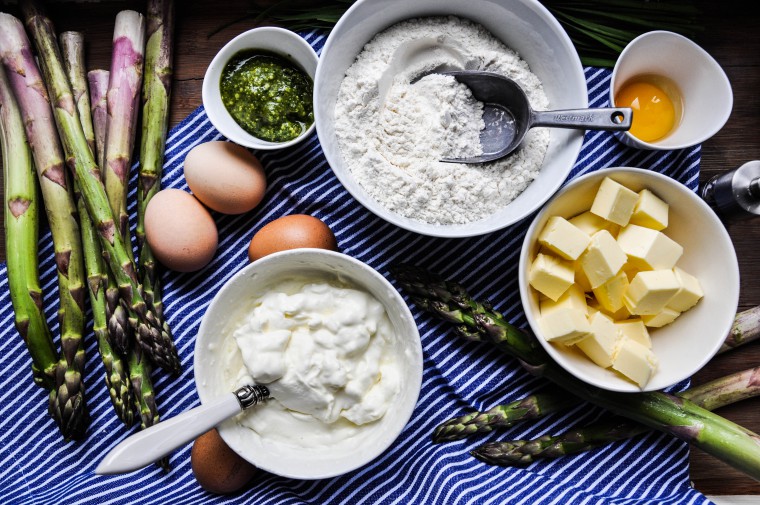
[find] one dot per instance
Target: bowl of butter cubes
(629, 280)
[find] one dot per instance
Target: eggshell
(291, 232)
(180, 231)
(217, 468)
(225, 177)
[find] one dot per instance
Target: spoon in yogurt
(152, 444)
(508, 115)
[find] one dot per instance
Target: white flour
(392, 134)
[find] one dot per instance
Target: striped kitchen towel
(37, 467)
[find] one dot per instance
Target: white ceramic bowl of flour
(526, 27)
(216, 355)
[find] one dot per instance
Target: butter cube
(650, 291)
(551, 276)
(618, 315)
(591, 223)
(650, 211)
(564, 239)
(614, 202)
(659, 320)
(689, 293)
(649, 249)
(580, 277)
(610, 294)
(630, 271)
(602, 340)
(574, 298)
(603, 259)
(634, 361)
(635, 330)
(565, 325)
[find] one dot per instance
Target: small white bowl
(283, 42)
(523, 25)
(705, 90)
(686, 345)
(227, 310)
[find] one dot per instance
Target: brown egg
(217, 468)
(225, 177)
(291, 232)
(180, 231)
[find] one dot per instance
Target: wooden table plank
(731, 37)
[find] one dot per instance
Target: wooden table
(731, 37)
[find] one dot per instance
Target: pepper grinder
(735, 195)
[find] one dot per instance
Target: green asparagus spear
(497, 417)
(156, 343)
(503, 416)
(677, 416)
(155, 123)
(118, 327)
(21, 234)
(68, 406)
(710, 396)
(122, 98)
(117, 379)
(139, 367)
(746, 329)
(98, 81)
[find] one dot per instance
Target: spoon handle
(611, 119)
(151, 444)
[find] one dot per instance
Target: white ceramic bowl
(705, 91)
(523, 25)
(287, 44)
(225, 313)
(687, 344)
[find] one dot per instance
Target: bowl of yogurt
(337, 347)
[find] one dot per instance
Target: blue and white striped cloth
(37, 467)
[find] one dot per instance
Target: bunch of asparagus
(686, 416)
(57, 112)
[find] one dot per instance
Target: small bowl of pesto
(258, 89)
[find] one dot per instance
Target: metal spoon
(508, 115)
(152, 444)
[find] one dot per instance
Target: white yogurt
(325, 351)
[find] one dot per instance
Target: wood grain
(730, 36)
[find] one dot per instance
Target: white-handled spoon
(152, 444)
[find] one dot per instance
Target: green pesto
(267, 95)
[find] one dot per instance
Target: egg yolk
(654, 114)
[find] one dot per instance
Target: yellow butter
(580, 277)
(563, 238)
(551, 276)
(634, 361)
(614, 202)
(602, 340)
(610, 294)
(617, 315)
(662, 318)
(648, 249)
(688, 294)
(573, 298)
(564, 325)
(603, 258)
(635, 330)
(650, 291)
(650, 211)
(591, 223)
